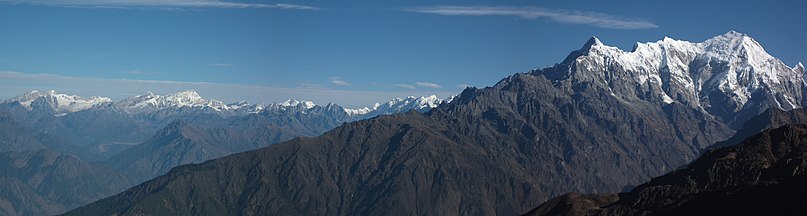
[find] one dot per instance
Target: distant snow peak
(60, 103)
(360, 111)
(187, 96)
(291, 102)
(150, 102)
(399, 105)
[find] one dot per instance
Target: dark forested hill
(763, 175)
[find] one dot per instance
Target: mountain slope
(15, 137)
(46, 182)
(763, 175)
(176, 144)
(771, 118)
(301, 177)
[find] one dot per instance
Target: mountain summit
(57, 103)
(730, 76)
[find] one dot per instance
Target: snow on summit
(59, 103)
(153, 102)
(150, 102)
(723, 72)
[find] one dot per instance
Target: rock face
(601, 121)
(763, 175)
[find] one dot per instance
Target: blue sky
(352, 53)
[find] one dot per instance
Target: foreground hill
(763, 175)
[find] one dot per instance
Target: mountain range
(602, 121)
(106, 127)
(71, 150)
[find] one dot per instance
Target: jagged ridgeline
(60, 151)
(603, 120)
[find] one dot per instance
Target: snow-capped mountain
(399, 105)
(150, 102)
(189, 101)
(59, 104)
(729, 76)
(294, 103)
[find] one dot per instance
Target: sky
(353, 53)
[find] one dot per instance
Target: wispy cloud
(406, 86)
(595, 19)
(428, 85)
(136, 72)
(157, 4)
(220, 65)
(463, 86)
(13, 83)
(338, 81)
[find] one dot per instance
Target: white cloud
(14, 83)
(595, 19)
(135, 72)
(406, 86)
(428, 85)
(221, 65)
(463, 86)
(297, 7)
(157, 4)
(340, 82)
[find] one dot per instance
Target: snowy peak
(190, 102)
(413, 102)
(186, 98)
(737, 45)
(60, 104)
(291, 102)
(399, 105)
(150, 102)
(719, 75)
(592, 42)
(360, 111)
